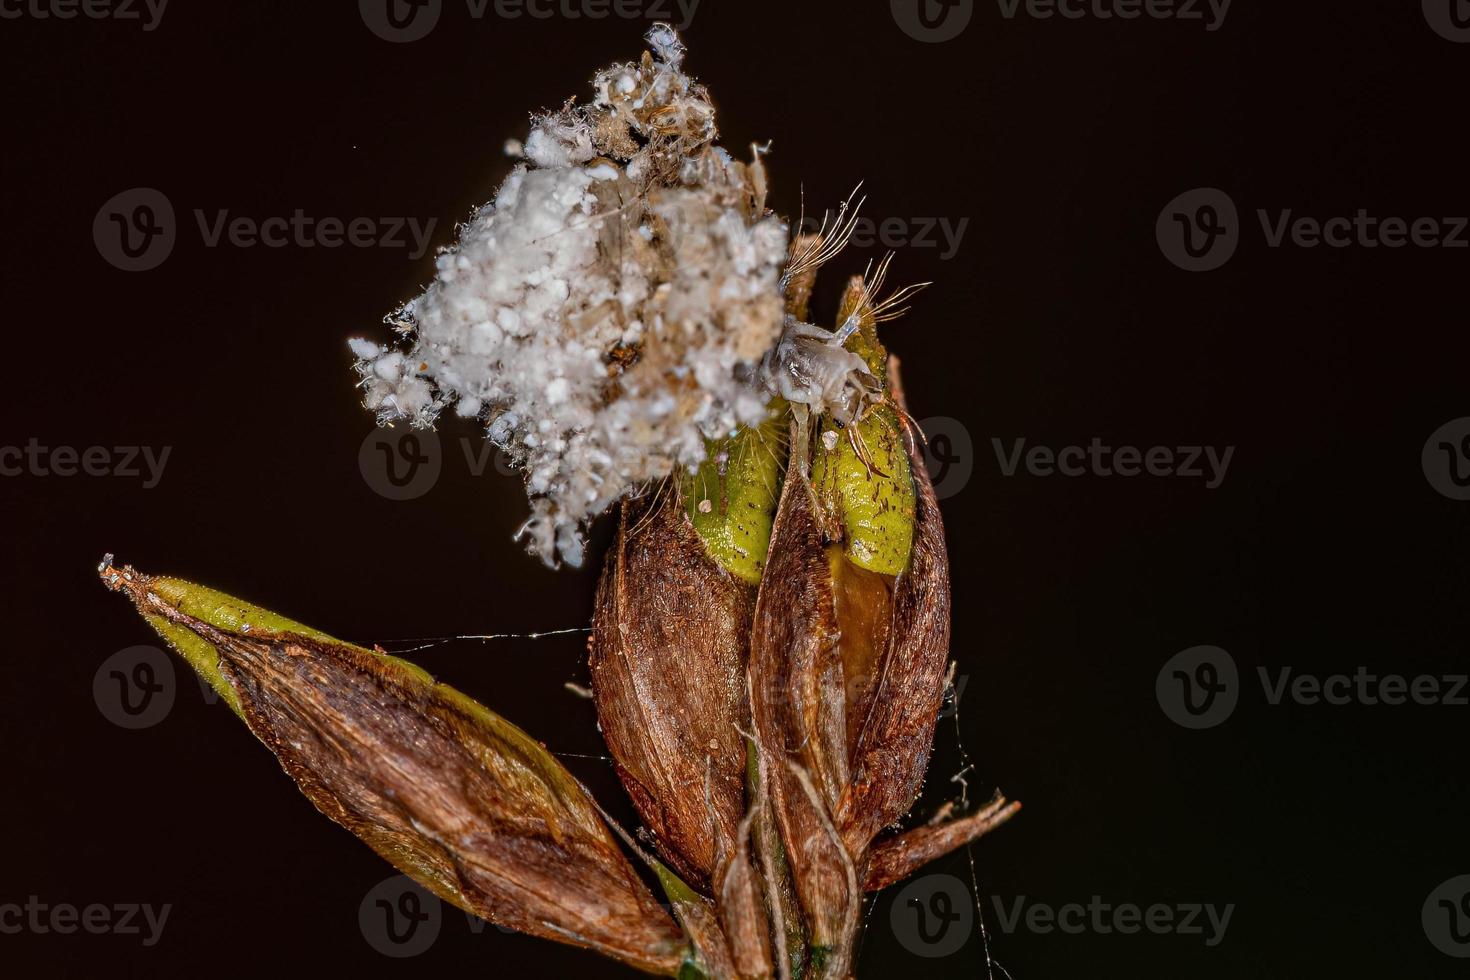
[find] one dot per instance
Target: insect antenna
(825, 246)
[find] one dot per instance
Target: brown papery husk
(741, 903)
(448, 792)
(893, 859)
(670, 634)
(798, 693)
(847, 679)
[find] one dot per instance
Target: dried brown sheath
(449, 793)
(896, 734)
(797, 697)
(894, 859)
(668, 649)
(741, 904)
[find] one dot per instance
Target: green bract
(873, 497)
(731, 499)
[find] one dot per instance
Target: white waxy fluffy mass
(609, 310)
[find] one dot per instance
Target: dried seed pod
(670, 633)
(849, 647)
(450, 793)
(891, 586)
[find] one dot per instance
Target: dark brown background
(1058, 320)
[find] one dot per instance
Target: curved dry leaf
(894, 859)
(448, 792)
